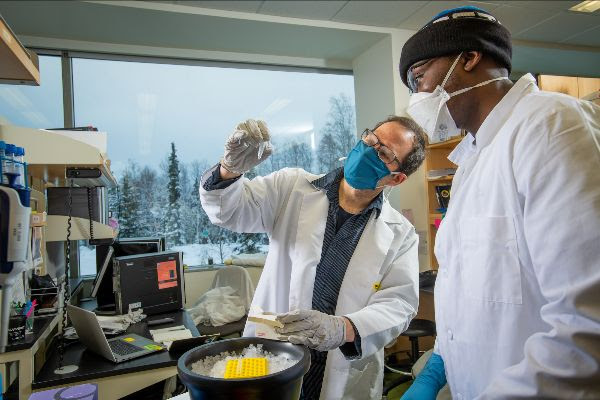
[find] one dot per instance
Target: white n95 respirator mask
(430, 110)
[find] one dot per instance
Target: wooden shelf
(574, 86)
(445, 178)
(48, 154)
(448, 144)
(19, 65)
(436, 158)
(56, 229)
(433, 217)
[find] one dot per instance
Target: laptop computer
(118, 349)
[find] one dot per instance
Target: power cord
(90, 211)
(67, 292)
(61, 338)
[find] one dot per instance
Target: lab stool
(418, 328)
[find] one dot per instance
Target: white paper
(265, 324)
(267, 332)
(171, 334)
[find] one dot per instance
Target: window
(87, 258)
(36, 106)
(167, 124)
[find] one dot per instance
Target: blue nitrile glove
(429, 382)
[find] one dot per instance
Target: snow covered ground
(87, 260)
(193, 254)
(197, 254)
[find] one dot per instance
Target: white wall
(379, 92)
(412, 193)
(198, 282)
(374, 84)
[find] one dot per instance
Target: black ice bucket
(283, 385)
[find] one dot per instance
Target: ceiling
(109, 22)
(547, 37)
(545, 21)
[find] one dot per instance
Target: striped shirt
(342, 233)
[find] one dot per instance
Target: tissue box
(87, 391)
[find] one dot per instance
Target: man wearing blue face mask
(516, 296)
(342, 268)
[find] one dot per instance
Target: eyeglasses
(411, 79)
(385, 154)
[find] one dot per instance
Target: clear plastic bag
(218, 306)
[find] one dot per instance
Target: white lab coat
(293, 213)
(517, 298)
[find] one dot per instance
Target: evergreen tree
(146, 182)
(190, 205)
(249, 242)
(200, 217)
(129, 217)
(114, 202)
(159, 207)
(172, 224)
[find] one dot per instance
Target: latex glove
(247, 146)
(429, 382)
(317, 330)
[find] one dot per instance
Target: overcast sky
(144, 107)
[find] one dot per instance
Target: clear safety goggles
(412, 79)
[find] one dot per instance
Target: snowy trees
(341, 123)
(146, 180)
(339, 133)
(165, 201)
(328, 153)
(172, 221)
(129, 217)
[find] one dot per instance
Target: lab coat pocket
(490, 268)
(361, 376)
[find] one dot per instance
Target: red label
(167, 274)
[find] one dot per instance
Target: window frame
(67, 57)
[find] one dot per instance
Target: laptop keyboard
(122, 348)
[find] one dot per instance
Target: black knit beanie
(456, 30)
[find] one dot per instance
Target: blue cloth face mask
(363, 167)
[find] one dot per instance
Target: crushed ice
(214, 366)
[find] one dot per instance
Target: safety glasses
(384, 153)
(412, 78)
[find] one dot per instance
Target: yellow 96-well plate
(246, 368)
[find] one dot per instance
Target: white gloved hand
(313, 328)
(247, 146)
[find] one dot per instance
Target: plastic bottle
(9, 166)
(3, 179)
(19, 166)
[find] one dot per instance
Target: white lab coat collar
(486, 133)
(465, 149)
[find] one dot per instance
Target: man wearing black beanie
(516, 298)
